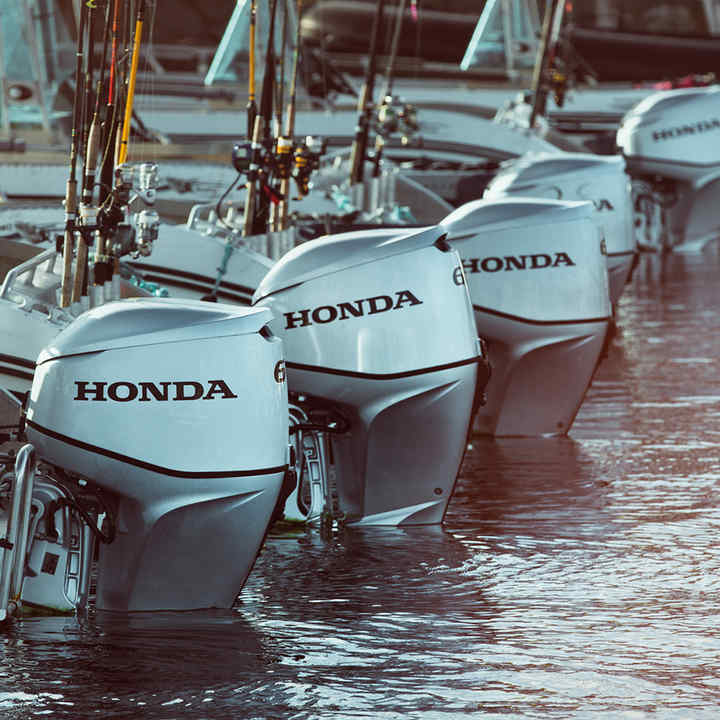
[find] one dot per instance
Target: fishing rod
(390, 72)
(81, 255)
(284, 148)
(252, 224)
(112, 216)
(252, 176)
(359, 146)
(281, 159)
(123, 75)
(71, 185)
(88, 81)
(552, 22)
(97, 138)
(94, 135)
(125, 135)
(262, 203)
(387, 123)
(251, 106)
(266, 97)
(110, 121)
(280, 86)
(106, 266)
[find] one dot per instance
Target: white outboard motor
(538, 282)
(384, 361)
(174, 413)
(579, 176)
(670, 143)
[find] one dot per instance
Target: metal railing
(15, 542)
(29, 266)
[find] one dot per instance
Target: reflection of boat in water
(541, 488)
(425, 564)
(148, 657)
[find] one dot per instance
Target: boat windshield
(505, 36)
(230, 62)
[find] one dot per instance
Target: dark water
(574, 578)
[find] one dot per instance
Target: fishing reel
(88, 216)
(242, 157)
(135, 238)
(148, 182)
(147, 225)
(283, 157)
(124, 175)
(409, 123)
(388, 116)
(307, 160)
(113, 217)
(112, 211)
(559, 85)
(395, 116)
(251, 161)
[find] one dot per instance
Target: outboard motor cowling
(538, 282)
(378, 329)
(670, 143)
(578, 176)
(177, 410)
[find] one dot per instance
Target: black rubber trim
(17, 361)
(69, 355)
(16, 373)
(172, 272)
(429, 144)
(149, 466)
(284, 288)
(633, 160)
(442, 244)
(517, 318)
(20, 396)
(197, 287)
(384, 376)
(622, 254)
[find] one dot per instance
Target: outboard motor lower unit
(383, 356)
(538, 282)
(175, 412)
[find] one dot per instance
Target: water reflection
(128, 662)
(574, 577)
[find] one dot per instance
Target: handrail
(16, 540)
(21, 269)
(25, 467)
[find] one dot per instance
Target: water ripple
(573, 578)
